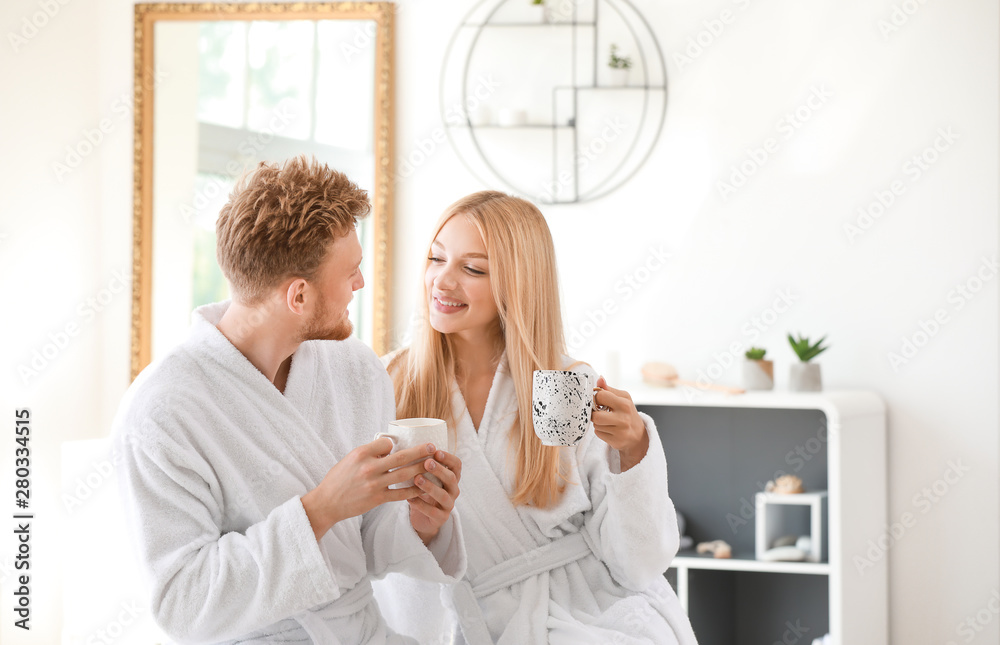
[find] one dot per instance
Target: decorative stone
(718, 548)
(783, 554)
(686, 540)
(786, 540)
(657, 373)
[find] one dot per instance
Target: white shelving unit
(721, 450)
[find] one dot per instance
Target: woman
(565, 544)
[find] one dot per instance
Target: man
(246, 531)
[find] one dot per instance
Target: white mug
(561, 404)
(407, 433)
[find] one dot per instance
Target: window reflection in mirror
(233, 93)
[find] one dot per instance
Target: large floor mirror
(220, 87)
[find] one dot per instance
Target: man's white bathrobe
(213, 460)
(589, 570)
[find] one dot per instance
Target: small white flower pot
(758, 374)
(539, 12)
(805, 377)
(618, 77)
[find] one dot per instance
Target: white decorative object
(618, 77)
(482, 115)
(783, 554)
(512, 117)
(539, 12)
(772, 518)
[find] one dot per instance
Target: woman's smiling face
(457, 280)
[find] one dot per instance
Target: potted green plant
(806, 376)
(620, 65)
(758, 373)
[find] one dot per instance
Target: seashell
(785, 485)
(718, 548)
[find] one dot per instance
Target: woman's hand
(431, 508)
(619, 425)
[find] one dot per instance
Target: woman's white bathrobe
(589, 570)
(213, 460)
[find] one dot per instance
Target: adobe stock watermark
(975, 623)
(898, 17)
(85, 312)
(751, 330)
(625, 289)
(963, 292)
(586, 155)
(90, 139)
(457, 114)
(280, 118)
(128, 613)
(923, 502)
(712, 30)
(913, 170)
(31, 25)
(786, 127)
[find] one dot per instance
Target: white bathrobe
(213, 461)
(589, 570)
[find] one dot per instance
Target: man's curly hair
(280, 221)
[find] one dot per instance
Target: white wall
(61, 241)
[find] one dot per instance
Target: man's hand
(430, 510)
(360, 482)
(619, 424)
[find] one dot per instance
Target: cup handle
(393, 438)
(597, 406)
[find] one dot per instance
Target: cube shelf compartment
(775, 520)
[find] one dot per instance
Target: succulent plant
(804, 350)
(756, 353)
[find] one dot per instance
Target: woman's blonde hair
(526, 289)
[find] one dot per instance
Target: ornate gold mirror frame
(146, 18)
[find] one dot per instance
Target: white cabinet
(721, 451)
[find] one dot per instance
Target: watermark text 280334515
(22, 519)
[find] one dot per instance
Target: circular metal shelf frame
(651, 64)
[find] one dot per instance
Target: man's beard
(317, 329)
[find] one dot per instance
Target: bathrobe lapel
(506, 535)
(278, 416)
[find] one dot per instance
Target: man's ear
(295, 295)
